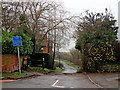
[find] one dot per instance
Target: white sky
(79, 6)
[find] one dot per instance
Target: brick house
(47, 46)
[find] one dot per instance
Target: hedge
(7, 44)
(47, 57)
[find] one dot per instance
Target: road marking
(54, 85)
(59, 86)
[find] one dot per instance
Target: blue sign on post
(17, 41)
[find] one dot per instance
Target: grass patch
(45, 70)
(38, 69)
(71, 64)
(15, 75)
(57, 68)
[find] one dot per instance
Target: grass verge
(71, 64)
(57, 68)
(15, 75)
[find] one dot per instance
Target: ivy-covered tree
(96, 29)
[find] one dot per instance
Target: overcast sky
(79, 6)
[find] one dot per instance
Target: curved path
(68, 69)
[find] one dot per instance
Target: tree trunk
(83, 61)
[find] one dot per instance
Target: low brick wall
(9, 63)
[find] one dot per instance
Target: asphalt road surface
(53, 81)
(68, 79)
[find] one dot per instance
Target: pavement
(106, 80)
(68, 79)
(101, 80)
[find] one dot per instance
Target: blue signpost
(17, 42)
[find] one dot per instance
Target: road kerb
(7, 80)
(94, 82)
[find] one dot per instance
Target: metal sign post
(19, 60)
(17, 42)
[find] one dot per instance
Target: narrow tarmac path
(68, 69)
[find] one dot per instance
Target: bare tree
(10, 16)
(47, 19)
